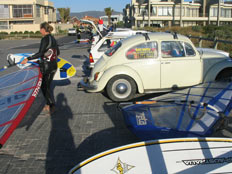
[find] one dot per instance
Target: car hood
(91, 23)
(212, 53)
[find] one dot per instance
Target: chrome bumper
(85, 85)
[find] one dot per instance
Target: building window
(4, 11)
(46, 11)
(165, 11)
(4, 25)
(154, 11)
(188, 11)
(21, 22)
(143, 11)
(226, 13)
(213, 12)
(22, 11)
(195, 12)
(177, 11)
(38, 11)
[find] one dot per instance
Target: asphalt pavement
(83, 125)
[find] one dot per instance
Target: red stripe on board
(11, 106)
(30, 68)
(8, 122)
(22, 113)
(28, 79)
(25, 89)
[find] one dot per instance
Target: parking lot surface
(83, 125)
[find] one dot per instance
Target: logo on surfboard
(121, 168)
(207, 161)
(141, 119)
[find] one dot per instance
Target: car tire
(121, 88)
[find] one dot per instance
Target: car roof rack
(173, 33)
(146, 36)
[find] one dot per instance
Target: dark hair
(46, 26)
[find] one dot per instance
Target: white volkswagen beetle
(106, 42)
(155, 62)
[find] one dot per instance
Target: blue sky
(91, 5)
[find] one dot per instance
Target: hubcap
(121, 88)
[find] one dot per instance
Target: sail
(17, 93)
(194, 111)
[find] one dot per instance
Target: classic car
(98, 50)
(107, 42)
(155, 62)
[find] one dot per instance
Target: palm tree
(181, 13)
(64, 14)
(108, 12)
(219, 12)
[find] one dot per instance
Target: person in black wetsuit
(48, 53)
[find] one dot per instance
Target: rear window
(113, 49)
(145, 50)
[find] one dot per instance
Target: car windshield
(113, 49)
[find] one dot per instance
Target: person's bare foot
(46, 108)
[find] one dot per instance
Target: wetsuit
(48, 53)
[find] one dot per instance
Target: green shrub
(37, 32)
(26, 32)
(197, 28)
(120, 24)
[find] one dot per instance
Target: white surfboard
(65, 69)
(180, 155)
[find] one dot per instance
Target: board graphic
(65, 68)
(181, 155)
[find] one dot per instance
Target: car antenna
(146, 36)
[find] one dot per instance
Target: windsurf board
(82, 41)
(181, 155)
(65, 68)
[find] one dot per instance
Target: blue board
(192, 112)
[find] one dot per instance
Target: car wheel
(121, 88)
(225, 75)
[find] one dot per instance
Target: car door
(180, 65)
(143, 58)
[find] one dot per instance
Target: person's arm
(43, 48)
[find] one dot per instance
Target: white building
(168, 13)
(25, 15)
